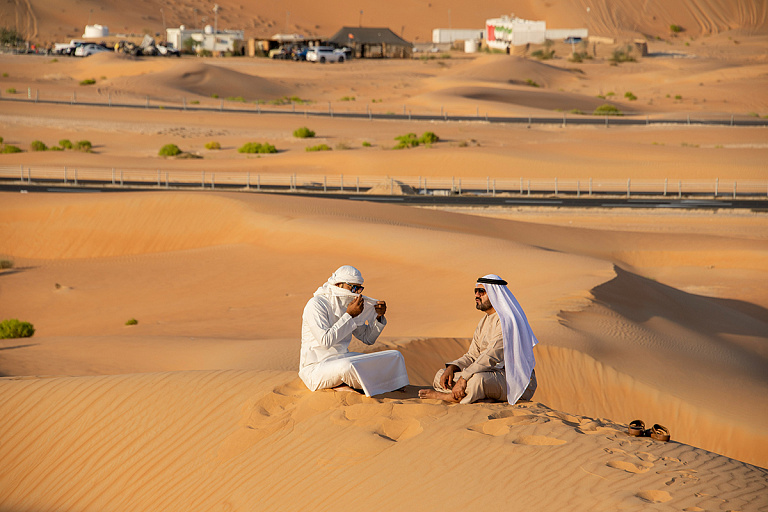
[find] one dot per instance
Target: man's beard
(483, 306)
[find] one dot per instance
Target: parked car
(323, 54)
(89, 49)
(299, 53)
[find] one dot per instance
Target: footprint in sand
(391, 421)
(501, 426)
(538, 441)
(629, 467)
(654, 496)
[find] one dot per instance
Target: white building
(223, 41)
(95, 31)
(501, 33)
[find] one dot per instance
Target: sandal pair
(657, 432)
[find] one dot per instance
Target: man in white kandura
(337, 311)
(499, 364)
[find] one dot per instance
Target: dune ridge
(131, 455)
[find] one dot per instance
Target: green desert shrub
(132, 321)
(38, 145)
(84, 145)
(169, 150)
(428, 138)
(88, 81)
(303, 133)
(532, 83)
(366, 144)
(623, 54)
(257, 147)
(13, 328)
(236, 98)
(607, 110)
(409, 140)
(11, 90)
(630, 96)
(8, 148)
(675, 28)
(1, 140)
(65, 144)
(5, 264)
(213, 145)
(319, 147)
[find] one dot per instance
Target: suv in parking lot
(325, 54)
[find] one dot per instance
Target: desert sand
(659, 315)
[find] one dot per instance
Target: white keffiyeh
(519, 339)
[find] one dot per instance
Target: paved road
(758, 204)
(573, 119)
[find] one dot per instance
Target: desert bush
(13, 328)
(132, 321)
(678, 97)
(1, 140)
(348, 98)
(38, 145)
(88, 81)
(84, 145)
(11, 90)
(409, 140)
(65, 144)
(366, 144)
(532, 83)
(303, 133)
(236, 98)
(630, 96)
(194, 102)
(8, 148)
(675, 28)
(576, 111)
(623, 54)
(319, 147)
(341, 146)
(169, 150)
(607, 110)
(214, 96)
(428, 138)
(55, 148)
(256, 147)
(6, 264)
(212, 145)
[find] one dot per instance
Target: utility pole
(215, 25)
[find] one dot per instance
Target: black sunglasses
(481, 291)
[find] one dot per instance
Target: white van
(323, 54)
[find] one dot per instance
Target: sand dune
(656, 315)
(645, 332)
(413, 21)
(131, 455)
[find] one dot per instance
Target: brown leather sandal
(636, 428)
(660, 433)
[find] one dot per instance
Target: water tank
(471, 45)
(96, 31)
(208, 29)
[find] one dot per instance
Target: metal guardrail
(326, 109)
(116, 178)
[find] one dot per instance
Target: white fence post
(342, 183)
(717, 185)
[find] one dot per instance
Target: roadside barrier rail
(351, 110)
(118, 178)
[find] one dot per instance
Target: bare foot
(431, 394)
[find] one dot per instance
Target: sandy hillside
(659, 315)
(414, 21)
(615, 345)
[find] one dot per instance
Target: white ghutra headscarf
(340, 298)
(519, 339)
